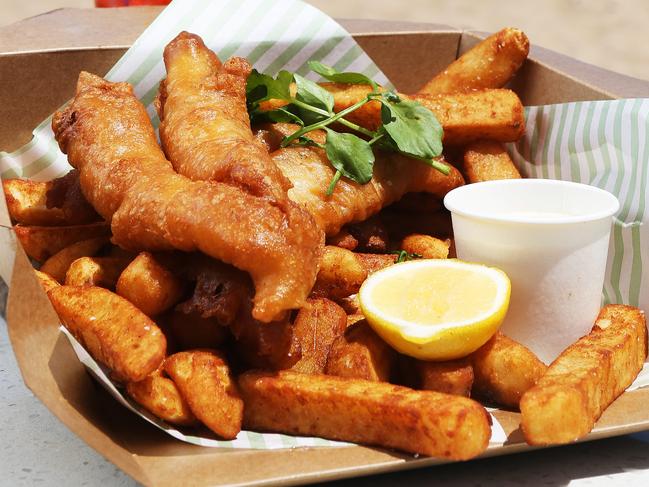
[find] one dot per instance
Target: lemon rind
(421, 333)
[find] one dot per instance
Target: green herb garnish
(407, 127)
(404, 256)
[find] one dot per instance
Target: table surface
(36, 449)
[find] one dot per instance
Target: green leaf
(404, 256)
(261, 87)
(350, 155)
(313, 94)
(336, 76)
(412, 127)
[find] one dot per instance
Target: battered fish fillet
(309, 171)
(205, 129)
(126, 177)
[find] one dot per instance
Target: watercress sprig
(404, 256)
(407, 127)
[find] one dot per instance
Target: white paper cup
(551, 238)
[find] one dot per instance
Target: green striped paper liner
(603, 144)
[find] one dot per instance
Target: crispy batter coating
(124, 174)
(205, 130)
(309, 171)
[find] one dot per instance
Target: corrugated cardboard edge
(52, 372)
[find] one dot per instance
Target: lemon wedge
(436, 309)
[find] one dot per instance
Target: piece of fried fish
(125, 176)
(309, 171)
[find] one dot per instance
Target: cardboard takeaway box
(40, 59)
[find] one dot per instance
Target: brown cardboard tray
(40, 59)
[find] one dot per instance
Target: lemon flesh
(436, 309)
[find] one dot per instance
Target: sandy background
(608, 33)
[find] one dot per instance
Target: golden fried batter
(126, 177)
(204, 129)
(309, 171)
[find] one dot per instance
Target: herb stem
(324, 123)
(308, 107)
(356, 127)
(376, 138)
(334, 181)
(440, 166)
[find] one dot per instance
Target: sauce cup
(551, 238)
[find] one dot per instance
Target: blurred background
(607, 33)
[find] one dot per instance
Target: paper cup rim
(453, 202)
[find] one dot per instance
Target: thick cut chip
(149, 285)
(491, 114)
(203, 378)
(374, 413)
(47, 281)
(341, 274)
(360, 353)
(488, 161)
(425, 246)
(451, 377)
(316, 326)
(57, 265)
(40, 243)
(504, 370)
(96, 271)
(489, 64)
(113, 331)
(586, 378)
(56, 202)
(160, 396)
